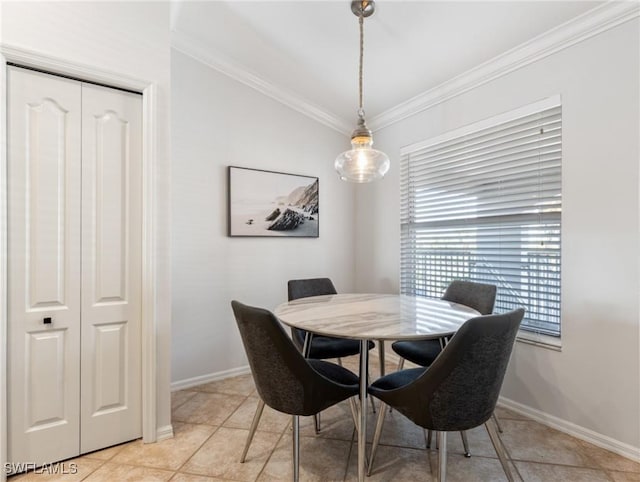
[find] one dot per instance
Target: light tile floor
(211, 424)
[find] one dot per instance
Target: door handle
(47, 320)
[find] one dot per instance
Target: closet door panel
(44, 266)
(111, 267)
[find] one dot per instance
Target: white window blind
(484, 204)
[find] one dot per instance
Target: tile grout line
(586, 445)
(198, 448)
(598, 465)
(609, 475)
(246, 397)
(427, 450)
(257, 430)
(275, 447)
(570, 466)
(212, 434)
(103, 462)
(353, 437)
(132, 465)
(184, 401)
(507, 450)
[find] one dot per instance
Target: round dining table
(367, 317)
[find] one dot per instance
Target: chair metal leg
(252, 430)
(497, 422)
(354, 413)
(373, 405)
(306, 350)
(296, 448)
(442, 456)
(429, 435)
(316, 417)
(376, 436)
(306, 346)
(465, 443)
(502, 454)
(400, 365)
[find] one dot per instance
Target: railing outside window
(484, 204)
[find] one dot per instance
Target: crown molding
(582, 27)
(193, 48)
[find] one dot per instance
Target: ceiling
(310, 48)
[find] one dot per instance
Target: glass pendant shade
(362, 163)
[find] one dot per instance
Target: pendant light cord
(361, 22)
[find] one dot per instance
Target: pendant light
(362, 163)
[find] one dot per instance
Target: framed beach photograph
(268, 203)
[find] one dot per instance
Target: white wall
(128, 39)
(217, 122)
(595, 381)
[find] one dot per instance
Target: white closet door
(43, 266)
(111, 267)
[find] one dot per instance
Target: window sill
(537, 339)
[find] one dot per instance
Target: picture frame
(265, 203)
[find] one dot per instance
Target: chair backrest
(460, 389)
(303, 288)
(479, 296)
(284, 379)
(279, 370)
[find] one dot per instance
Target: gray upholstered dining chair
(479, 296)
(284, 379)
(322, 347)
(460, 389)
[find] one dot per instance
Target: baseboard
(164, 433)
(570, 428)
(209, 377)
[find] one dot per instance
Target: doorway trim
(27, 58)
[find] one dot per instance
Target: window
(484, 204)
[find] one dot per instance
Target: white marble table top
(375, 316)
